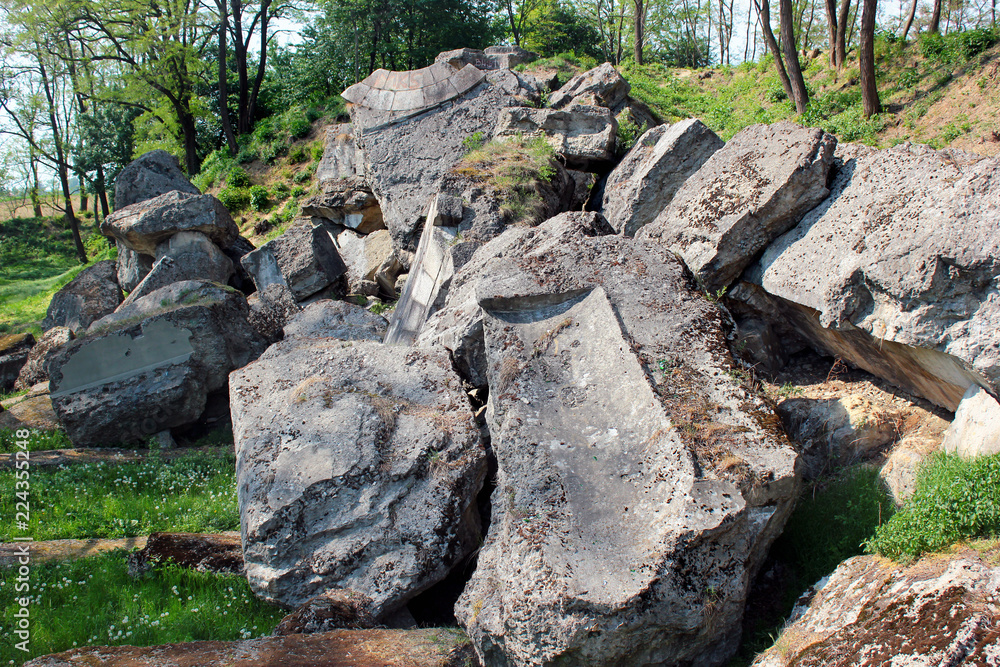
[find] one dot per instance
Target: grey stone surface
(583, 135)
(583, 185)
(340, 155)
(153, 174)
(975, 431)
(240, 279)
(602, 85)
(304, 258)
(90, 296)
(413, 91)
(270, 310)
(151, 366)
(639, 486)
(649, 175)
(348, 202)
(744, 196)
(36, 369)
(132, 267)
(15, 350)
(327, 318)
(900, 470)
(494, 57)
(405, 159)
(895, 271)
(184, 256)
(145, 225)
(358, 466)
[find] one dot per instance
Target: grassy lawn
(196, 493)
(37, 441)
(94, 601)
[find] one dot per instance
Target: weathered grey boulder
(150, 366)
(35, 369)
(900, 470)
(639, 485)
(369, 258)
(327, 318)
(872, 612)
(358, 466)
(145, 225)
(87, 298)
(494, 57)
(271, 309)
(649, 175)
(184, 256)
(348, 202)
(132, 267)
(340, 155)
(583, 185)
(153, 174)
(976, 429)
(744, 196)
(330, 610)
(405, 157)
(602, 85)
(583, 135)
(15, 350)
(304, 258)
(31, 411)
(895, 271)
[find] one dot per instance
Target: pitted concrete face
(411, 91)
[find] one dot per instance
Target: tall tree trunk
(227, 126)
(866, 59)
(244, 125)
(909, 19)
(831, 21)
(639, 32)
(842, 18)
(84, 200)
(102, 191)
(764, 11)
(935, 24)
(265, 18)
(800, 96)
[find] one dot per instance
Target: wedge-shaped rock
(639, 485)
(976, 429)
(304, 258)
(645, 181)
(151, 366)
(35, 369)
(340, 155)
(583, 134)
(87, 298)
(896, 271)
(153, 174)
(145, 225)
(746, 195)
(602, 85)
(184, 256)
(358, 466)
(348, 202)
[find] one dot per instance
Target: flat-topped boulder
(583, 135)
(358, 466)
(603, 86)
(304, 259)
(87, 298)
(153, 174)
(144, 225)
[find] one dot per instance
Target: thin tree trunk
(842, 17)
(831, 20)
(866, 59)
(935, 24)
(639, 30)
(764, 11)
(84, 201)
(102, 191)
(36, 201)
(227, 126)
(801, 97)
(910, 17)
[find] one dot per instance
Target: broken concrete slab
(347, 202)
(340, 155)
(184, 256)
(603, 85)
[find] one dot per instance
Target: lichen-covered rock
(583, 135)
(15, 350)
(35, 369)
(340, 155)
(271, 309)
(639, 485)
(358, 466)
(153, 174)
(348, 202)
(332, 609)
(87, 298)
(872, 612)
(150, 366)
(755, 188)
(895, 271)
(146, 224)
(184, 256)
(204, 552)
(336, 319)
(602, 85)
(304, 259)
(649, 175)
(976, 429)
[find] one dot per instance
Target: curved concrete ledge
(410, 91)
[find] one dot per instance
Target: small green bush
(316, 150)
(299, 127)
(957, 48)
(238, 178)
(281, 191)
(474, 141)
(246, 154)
(297, 154)
(259, 198)
(304, 175)
(265, 131)
(298, 191)
(235, 199)
(954, 500)
(627, 134)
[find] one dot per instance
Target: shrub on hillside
(958, 47)
(259, 198)
(238, 178)
(298, 126)
(235, 199)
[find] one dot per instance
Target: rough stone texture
(369, 258)
(494, 57)
(583, 184)
(304, 258)
(895, 271)
(145, 225)
(132, 267)
(639, 486)
(744, 196)
(270, 310)
(899, 472)
(583, 135)
(184, 256)
(151, 366)
(872, 612)
(240, 279)
(433, 647)
(649, 175)
(153, 174)
(603, 84)
(90, 296)
(358, 466)
(35, 369)
(348, 202)
(340, 155)
(417, 90)
(330, 610)
(33, 411)
(204, 552)
(336, 319)
(976, 429)
(406, 158)
(758, 344)
(15, 350)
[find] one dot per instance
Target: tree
(935, 24)
(518, 16)
(639, 10)
(866, 57)
(558, 27)
(609, 18)
(764, 12)
(791, 56)
(909, 19)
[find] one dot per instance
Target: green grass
(94, 601)
(196, 493)
(37, 441)
(954, 500)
